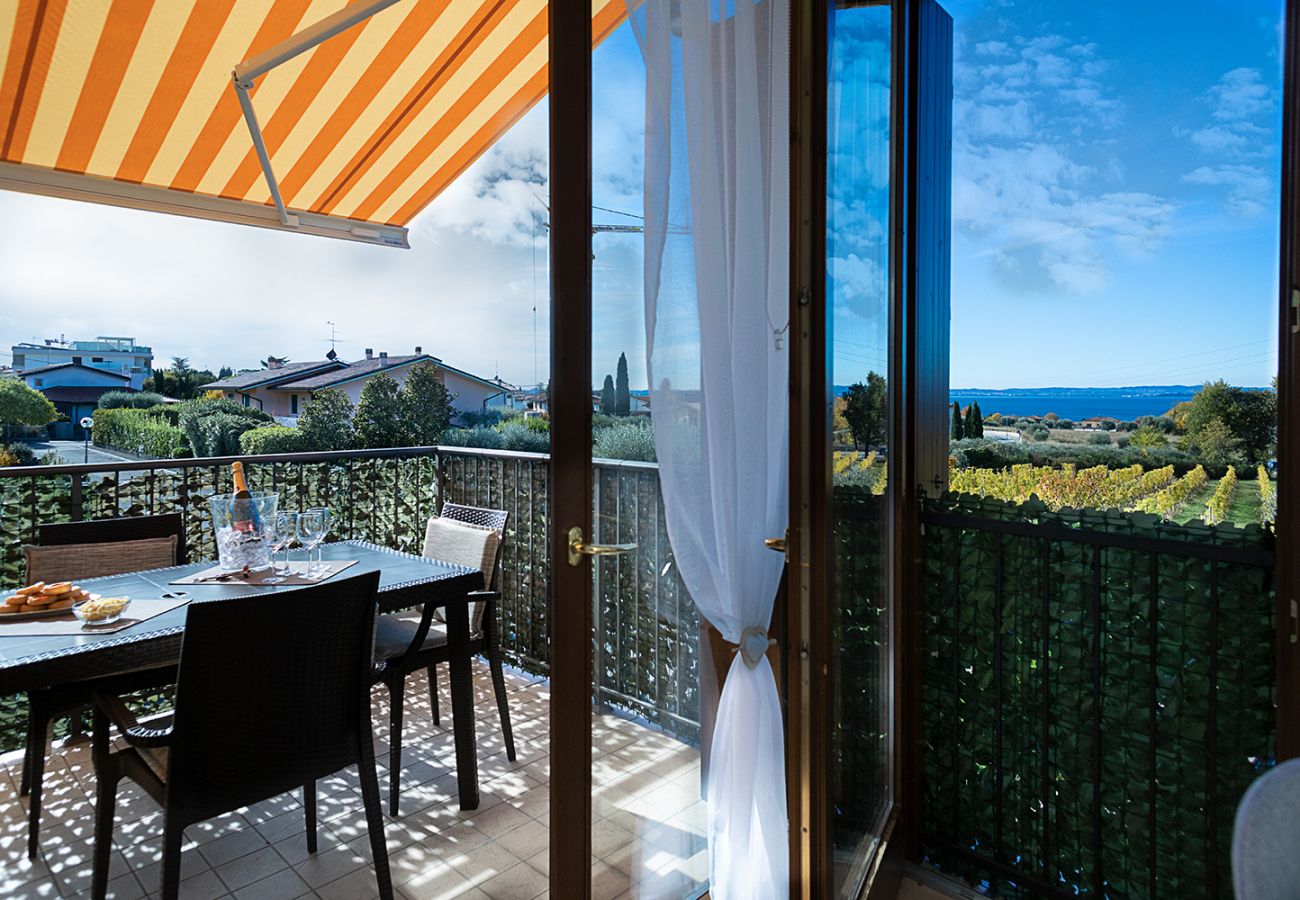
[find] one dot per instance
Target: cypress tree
(979, 420)
(607, 397)
(958, 431)
(622, 393)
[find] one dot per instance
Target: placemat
(214, 575)
(139, 611)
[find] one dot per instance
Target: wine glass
(281, 531)
(326, 518)
(312, 526)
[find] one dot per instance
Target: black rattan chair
(272, 694)
(46, 705)
(406, 646)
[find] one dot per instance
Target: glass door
(859, 449)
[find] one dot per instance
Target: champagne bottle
(243, 511)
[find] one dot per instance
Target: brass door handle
(578, 548)
(777, 544)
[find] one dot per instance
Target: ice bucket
(239, 548)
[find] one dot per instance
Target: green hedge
(139, 431)
(982, 453)
(270, 439)
(130, 399)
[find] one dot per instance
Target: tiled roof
(359, 369)
(76, 394)
(264, 377)
(69, 365)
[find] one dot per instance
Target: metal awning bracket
(248, 71)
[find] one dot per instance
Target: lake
(1076, 405)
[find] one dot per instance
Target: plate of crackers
(41, 600)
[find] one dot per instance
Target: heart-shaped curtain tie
(753, 645)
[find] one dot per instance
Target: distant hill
(1073, 402)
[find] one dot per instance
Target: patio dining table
(406, 581)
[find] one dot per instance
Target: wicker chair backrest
(272, 692)
(129, 528)
(483, 518)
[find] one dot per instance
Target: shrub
(1122, 440)
(486, 438)
(1067, 424)
(130, 400)
(270, 439)
(425, 405)
(1039, 433)
(140, 432)
(168, 412)
(519, 437)
(488, 418)
(213, 427)
(17, 454)
(1099, 438)
(1002, 454)
(1267, 496)
(21, 405)
(630, 439)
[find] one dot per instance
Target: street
(73, 452)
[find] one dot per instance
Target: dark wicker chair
(406, 646)
(46, 705)
(293, 708)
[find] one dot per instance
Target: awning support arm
(250, 70)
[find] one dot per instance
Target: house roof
(76, 394)
(362, 368)
(132, 104)
(266, 377)
(71, 365)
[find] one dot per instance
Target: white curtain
(716, 309)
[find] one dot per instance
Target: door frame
(570, 602)
(1288, 402)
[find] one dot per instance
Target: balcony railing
(647, 647)
(1098, 695)
(1098, 687)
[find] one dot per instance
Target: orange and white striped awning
(131, 102)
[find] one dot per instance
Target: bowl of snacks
(97, 610)
(41, 599)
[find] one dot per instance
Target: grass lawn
(1242, 510)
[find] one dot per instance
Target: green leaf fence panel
(1099, 691)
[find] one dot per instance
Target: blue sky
(1115, 192)
(1115, 222)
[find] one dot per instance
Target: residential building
(74, 389)
(283, 391)
(111, 354)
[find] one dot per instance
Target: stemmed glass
(282, 532)
(313, 525)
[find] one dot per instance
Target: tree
(958, 427)
(607, 401)
(1250, 416)
(622, 393)
(225, 372)
(1149, 436)
(973, 424)
(864, 411)
(21, 405)
(377, 421)
(426, 406)
(1215, 443)
(979, 420)
(326, 421)
(1051, 418)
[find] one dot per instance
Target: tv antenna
(333, 337)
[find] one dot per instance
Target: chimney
(273, 363)
(419, 350)
(370, 354)
(383, 354)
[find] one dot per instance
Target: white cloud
(1249, 188)
(1036, 185)
(1237, 140)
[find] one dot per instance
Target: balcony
(1096, 690)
